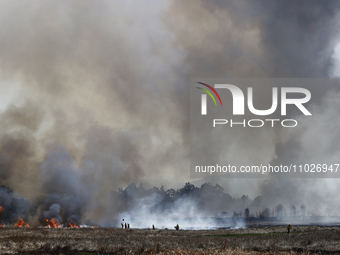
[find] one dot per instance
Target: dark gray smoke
(95, 97)
(53, 212)
(14, 206)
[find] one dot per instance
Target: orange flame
(21, 224)
(1, 210)
(72, 225)
(53, 223)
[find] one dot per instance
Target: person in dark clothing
(288, 228)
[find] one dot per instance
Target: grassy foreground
(267, 240)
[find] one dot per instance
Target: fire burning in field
(21, 224)
(1, 210)
(72, 225)
(53, 223)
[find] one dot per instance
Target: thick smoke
(264, 39)
(53, 212)
(97, 98)
(14, 206)
(190, 207)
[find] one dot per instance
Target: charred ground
(269, 239)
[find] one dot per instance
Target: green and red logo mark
(204, 97)
(208, 92)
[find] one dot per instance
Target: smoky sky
(96, 93)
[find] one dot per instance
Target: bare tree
(246, 212)
(265, 213)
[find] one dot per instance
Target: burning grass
(21, 224)
(53, 223)
(304, 239)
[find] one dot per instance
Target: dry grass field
(264, 240)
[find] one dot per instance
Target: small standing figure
(122, 224)
(176, 227)
(153, 226)
(128, 225)
(288, 228)
(125, 225)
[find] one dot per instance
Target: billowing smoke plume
(14, 206)
(95, 97)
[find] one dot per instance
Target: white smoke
(183, 212)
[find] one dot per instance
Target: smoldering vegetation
(204, 207)
(207, 207)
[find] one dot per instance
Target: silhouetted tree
(246, 212)
(235, 214)
(265, 213)
(171, 192)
